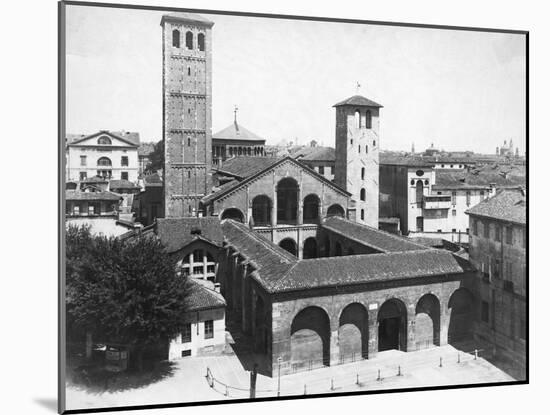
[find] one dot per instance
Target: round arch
(336, 210)
(261, 210)
(427, 321)
(104, 161)
(289, 244)
(461, 306)
(310, 248)
(392, 325)
(310, 338)
(233, 213)
(353, 332)
(311, 208)
(287, 201)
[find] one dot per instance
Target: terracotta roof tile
(375, 238)
(200, 297)
(175, 233)
(78, 195)
(507, 205)
(247, 166)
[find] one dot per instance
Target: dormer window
(104, 140)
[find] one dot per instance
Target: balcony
(436, 202)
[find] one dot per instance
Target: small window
(453, 197)
(363, 195)
(83, 175)
(176, 38)
(426, 182)
(82, 160)
(188, 141)
(359, 148)
(185, 353)
(189, 40)
(509, 235)
(453, 212)
(124, 175)
(474, 230)
(362, 214)
(188, 74)
(496, 268)
(321, 170)
(104, 161)
(486, 230)
(188, 174)
(497, 233)
(362, 173)
(200, 41)
(452, 165)
(208, 329)
(104, 140)
(124, 161)
(357, 119)
(351, 141)
(186, 333)
(439, 231)
(368, 120)
(420, 173)
(412, 182)
(453, 230)
(198, 255)
(374, 143)
(485, 311)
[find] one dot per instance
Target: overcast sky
(460, 90)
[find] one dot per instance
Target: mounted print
(259, 207)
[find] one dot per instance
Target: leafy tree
(123, 291)
(156, 158)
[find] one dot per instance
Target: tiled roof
(122, 184)
(175, 233)
(200, 297)
(236, 132)
(507, 205)
(372, 237)
(127, 136)
(247, 166)
(220, 190)
(271, 261)
(95, 179)
(189, 17)
(395, 160)
(320, 154)
(78, 195)
(152, 180)
(476, 179)
(358, 100)
(360, 269)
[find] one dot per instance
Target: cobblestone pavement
(189, 382)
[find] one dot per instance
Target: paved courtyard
(189, 382)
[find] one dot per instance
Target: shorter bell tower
(357, 144)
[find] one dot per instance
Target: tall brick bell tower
(356, 166)
(187, 111)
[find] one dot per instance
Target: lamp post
(279, 360)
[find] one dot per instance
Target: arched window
(359, 148)
(419, 191)
(188, 71)
(362, 173)
(363, 195)
(188, 141)
(362, 214)
(189, 40)
(104, 161)
(357, 119)
(261, 210)
(103, 140)
(176, 38)
(368, 120)
(200, 41)
(311, 208)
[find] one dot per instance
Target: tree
(156, 158)
(123, 291)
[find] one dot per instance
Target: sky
(460, 90)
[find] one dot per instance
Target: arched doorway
(289, 244)
(287, 201)
(392, 325)
(353, 333)
(427, 322)
(336, 210)
(461, 305)
(261, 210)
(233, 213)
(419, 191)
(260, 324)
(310, 248)
(310, 338)
(311, 208)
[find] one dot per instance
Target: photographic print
(260, 207)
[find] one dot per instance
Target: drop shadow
(48, 403)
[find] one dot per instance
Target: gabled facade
(104, 154)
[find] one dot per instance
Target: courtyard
(228, 379)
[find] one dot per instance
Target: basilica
(298, 258)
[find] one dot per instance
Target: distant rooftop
(359, 101)
(236, 132)
(187, 17)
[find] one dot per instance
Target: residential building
(498, 248)
(110, 155)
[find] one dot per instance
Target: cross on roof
(358, 87)
(235, 111)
